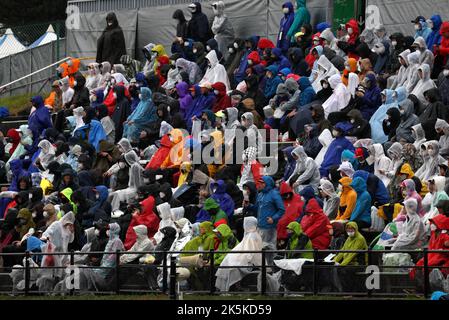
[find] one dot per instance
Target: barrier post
(164, 273)
(314, 272)
(117, 272)
(370, 291)
(426, 273)
(212, 272)
(72, 263)
(27, 273)
(263, 287)
(173, 278)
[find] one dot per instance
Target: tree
(24, 12)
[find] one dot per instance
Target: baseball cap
(419, 19)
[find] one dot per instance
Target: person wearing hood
(164, 212)
(332, 158)
(272, 83)
(215, 71)
(270, 208)
(181, 25)
(142, 244)
(298, 240)
(408, 120)
(212, 212)
(198, 27)
(382, 163)
(364, 68)
(222, 28)
(412, 74)
(434, 110)
(278, 59)
(391, 123)
(419, 136)
(191, 68)
(371, 99)
(382, 50)
(250, 45)
(199, 51)
(298, 64)
(306, 172)
(92, 131)
(362, 211)
(111, 45)
(362, 156)
(223, 100)
(316, 225)
(224, 241)
(220, 195)
(348, 199)
(378, 120)
(425, 55)
(40, 119)
(325, 69)
(232, 117)
(312, 145)
(340, 97)
(360, 127)
(144, 115)
(293, 210)
(433, 158)
(235, 54)
(93, 80)
(401, 78)
(121, 112)
(107, 123)
(425, 83)
(302, 17)
(398, 46)
(292, 93)
(185, 99)
(283, 41)
(331, 200)
(434, 24)
(135, 180)
(443, 84)
(442, 130)
(441, 51)
(354, 242)
(142, 215)
(46, 154)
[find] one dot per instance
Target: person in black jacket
(198, 28)
(111, 45)
(182, 25)
(360, 127)
(81, 95)
(391, 123)
(121, 112)
(434, 110)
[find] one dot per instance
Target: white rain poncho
(165, 129)
(412, 234)
(191, 68)
(26, 139)
(395, 154)
(164, 211)
(185, 234)
(430, 166)
(142, 244)
(78, 115)
(381, 163)
(325, 139)
(114, 244)
(251, 241)
(353, 83)
(173, 78)
(412, 75)
(307, 169)
(67, 92)
(109, 128)
(93, 80)
(331, 203)
(419, 135)
(124, 195)
(401, 77)
(339, 98)
(425, 55)
(105, 74)
(424, 84)
(325, 70)
(222, 28)
(47, 153)
(444, 139)
(216, 72)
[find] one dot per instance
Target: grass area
(16, 104)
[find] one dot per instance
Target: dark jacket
(81, 95)
(181, 27)
(122, 111)
(360, 128)
(198, 28)
(434, 110)
(111, 45)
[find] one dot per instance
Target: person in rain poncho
(331, 199)
(377, 133)
(339, 98)
(306, 171)
(425, 55)
(191, 68)
(381, 163)
(442, 128)
(325, 138)
(143, 116)
(109, 260)
(419, 135)
(434, 110)
(67, 91)
(222, 28)
(283, 41)
(164, 211)
(355, 241)
(135, 181)
(424, 84)
(302, 17)
(40, 119)
(332, 157)
(251, 241)
(436, 190)
(232, 118)
(185, 234)
(26, 141)
(394, 152)
(251, 169)
(348, 198)
(142, 244)
(408, 120)
(47, 153)
(401, 78)
(93, 80)
(412, 74)
(59, 235)
(215, 72)
(325, 69)
(362, 211)
(430, 167)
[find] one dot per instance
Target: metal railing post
(211, 272)
(27, 273)
(72, 263)
(164, 274)
(426, 273)
(314, 272)
(172, 278)
(117, 272)
(263, 287)
(370, 291)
